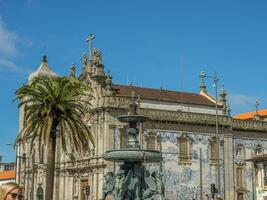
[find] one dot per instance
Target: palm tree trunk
(50, 168)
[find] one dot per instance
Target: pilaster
(229, 167)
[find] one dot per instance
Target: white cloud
(10, 65)
(9, 50)
(244, 103)
(32, 3)
(8, 41)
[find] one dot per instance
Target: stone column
(109, 144)
(95, 184)
(229, 167)
(100, 177)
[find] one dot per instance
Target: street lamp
(215, 78)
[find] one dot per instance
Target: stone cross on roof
(89, 39)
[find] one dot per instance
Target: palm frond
(46, 100)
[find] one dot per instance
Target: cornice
(121, 104)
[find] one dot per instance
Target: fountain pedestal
(133, 181)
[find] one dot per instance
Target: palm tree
(54, 106)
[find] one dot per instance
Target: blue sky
(146, 42)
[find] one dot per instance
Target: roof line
(153, 88)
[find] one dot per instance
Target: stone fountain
(133, 181)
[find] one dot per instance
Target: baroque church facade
(188, 128)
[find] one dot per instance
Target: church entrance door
(83, 185)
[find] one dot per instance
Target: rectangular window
(213, 152)
(239, 177)
(151, 142)
(185, 149)
(123, 140)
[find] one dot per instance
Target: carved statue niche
(84, 59)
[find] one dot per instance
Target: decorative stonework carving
(97, 56)
(126, 184)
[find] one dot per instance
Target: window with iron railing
(185, 150)
(123, 138)
(213, 152)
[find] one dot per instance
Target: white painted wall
(6, 181)
(159, 105)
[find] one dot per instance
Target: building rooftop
(5, 175)
(162, 95)
(250, 115)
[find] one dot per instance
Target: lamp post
(23, 159)
(215, 80)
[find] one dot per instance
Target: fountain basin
(133, 155)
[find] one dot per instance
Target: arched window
(40, 193)
(185, 149)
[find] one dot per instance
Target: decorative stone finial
(228, 110)
(223, 100)
(72, 70)
(223, 94)
(202, 76)
(108, 84)
(108, 79)
(256, 116)
(44, 59)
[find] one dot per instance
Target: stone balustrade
(188, 117)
